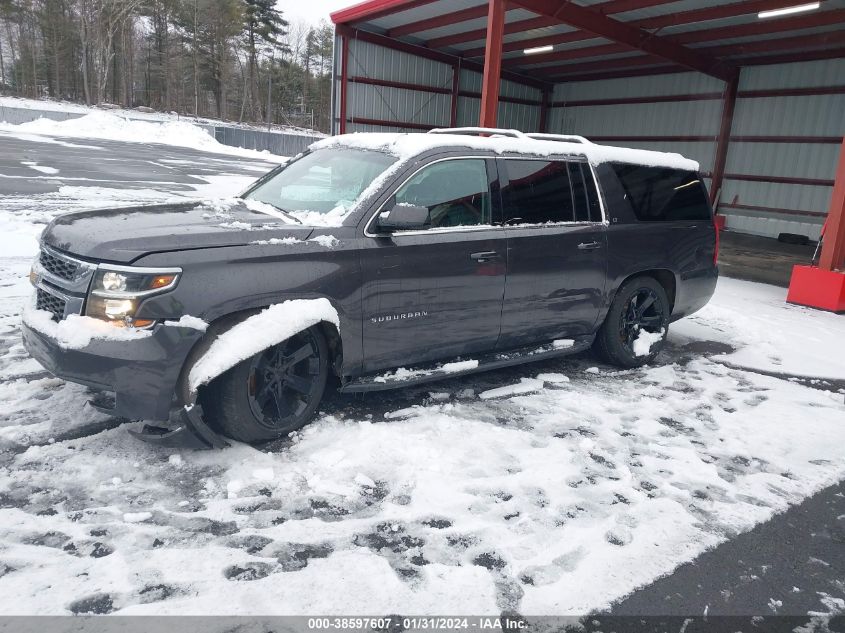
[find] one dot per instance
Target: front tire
(275, 392)
(640, 310)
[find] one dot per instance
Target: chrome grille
(51, 303)
(58, 266)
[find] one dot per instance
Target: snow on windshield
(321, 188)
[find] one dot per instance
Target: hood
(123, 235)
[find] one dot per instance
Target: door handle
(485, 256)
(589, 246)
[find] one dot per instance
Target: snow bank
(524, 386)
(768, 333)
(406, 146)
(76, 331)
(267, 328)
(107, 126)
(403, 373)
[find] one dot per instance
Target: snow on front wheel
(275, 392)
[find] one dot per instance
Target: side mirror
(402, 217)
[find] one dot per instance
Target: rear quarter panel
(684, 248)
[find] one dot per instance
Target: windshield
(326, 181)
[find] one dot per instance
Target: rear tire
(640, 304)
(275, 392)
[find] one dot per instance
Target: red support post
(344, 80)
(456, 87)
(492, 62)
(824, 286)
(544, 110)
(833, 248)
(724, 140)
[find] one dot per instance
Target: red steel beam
(707, 14)
(617, 64)
(571, 53)
(794, 56)
(707, 35)
(752, 207)
(456, 86)
(778, 45)
(724, 139)
(606, 8)
(544, 110)
(444, 19)
(344, 83)
(762, 27)
(622, 73)
(833, 248)
(400, 124)
(420, 51)
(481, 34)
(402, 85)
(374, 9)
(576, 103)
(709, 96)
(492, 63)
(781, 180)
(674, 19)
(603, 26)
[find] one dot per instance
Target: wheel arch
(663, 276)
(185, 395)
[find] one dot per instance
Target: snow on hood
(408, 145)
(249, 337)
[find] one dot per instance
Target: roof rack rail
(565, 138)
(470, 131)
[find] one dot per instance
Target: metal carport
(758, 101)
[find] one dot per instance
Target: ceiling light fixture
(800, 8)
(539, 49)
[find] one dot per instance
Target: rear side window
(662, 194)
(538, 192)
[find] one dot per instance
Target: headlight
(116, 292)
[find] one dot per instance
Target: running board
(396, 379)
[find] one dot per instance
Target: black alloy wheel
(284, 380)
(641, 304)
(275, 392)
(644, 311)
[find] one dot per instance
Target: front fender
(239, 336)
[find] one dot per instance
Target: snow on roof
(408, 145)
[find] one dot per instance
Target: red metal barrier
(824, 286)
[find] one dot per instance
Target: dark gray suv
(382, 259)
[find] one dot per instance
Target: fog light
(118, 308)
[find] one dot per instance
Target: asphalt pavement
(113, 164)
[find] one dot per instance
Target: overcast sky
(312, 10)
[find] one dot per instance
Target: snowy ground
(77, 108)
(558, 496)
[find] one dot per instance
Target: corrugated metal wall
(784, 116)
(776, 180)
(616, 123)
(367, 103)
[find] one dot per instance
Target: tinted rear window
(662, 194)
(538, 192)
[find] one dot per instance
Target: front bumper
(143, 373)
